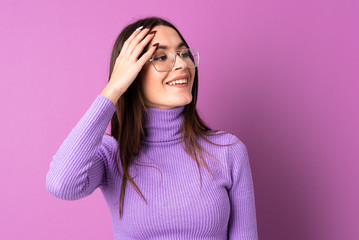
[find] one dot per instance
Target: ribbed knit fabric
(178, 207)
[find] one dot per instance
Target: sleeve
(242, 222)
(79, 166)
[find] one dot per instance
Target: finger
(147, 55)
(129, 39)
(139, 48)
(135, 41)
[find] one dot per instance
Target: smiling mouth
(180, 82)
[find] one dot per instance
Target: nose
(179, 63)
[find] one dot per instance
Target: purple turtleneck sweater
(178, 207)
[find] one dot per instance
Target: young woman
(186, 180)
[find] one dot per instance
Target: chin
(170, 104)
(184, 102)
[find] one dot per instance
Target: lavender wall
(282, 75)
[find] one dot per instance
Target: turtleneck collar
(162, 125)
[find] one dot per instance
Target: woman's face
(157, 92)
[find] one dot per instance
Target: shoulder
(108, 146)
(237, 143)
(237, 155)
(227, 138)
(108, 153)
(108, 139)
(235, 148)
(227, 144)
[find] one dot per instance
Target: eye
(162, 57)
(185, 54)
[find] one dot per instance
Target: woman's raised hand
(127, 65)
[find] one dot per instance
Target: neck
(162, 125)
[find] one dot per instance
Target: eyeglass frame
(174, 62)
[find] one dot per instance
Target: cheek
(152, 81)
(146, 75)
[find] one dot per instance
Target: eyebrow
(165, 47)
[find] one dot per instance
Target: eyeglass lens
(164, 60)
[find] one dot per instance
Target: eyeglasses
(164, 60)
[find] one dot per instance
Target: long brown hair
(127, 122)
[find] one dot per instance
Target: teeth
(180, 81)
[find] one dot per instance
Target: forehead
(166, 36)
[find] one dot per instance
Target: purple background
(282, 75)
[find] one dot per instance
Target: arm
(79, 166)
(242, 222)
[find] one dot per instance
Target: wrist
(111, 93)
